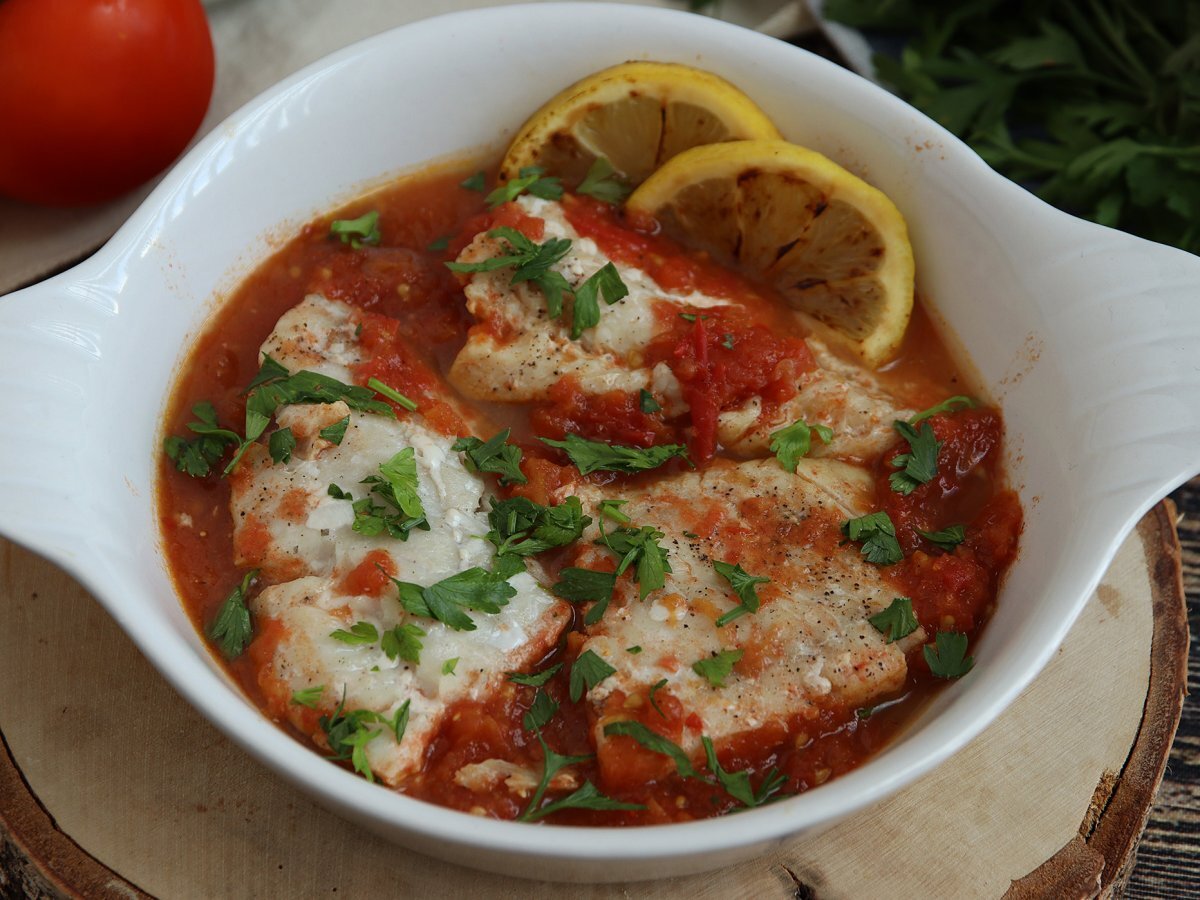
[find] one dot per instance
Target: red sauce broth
(406, 290)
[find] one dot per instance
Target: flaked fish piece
(849, 399)
(521, 352)
(808, 646)
(298, 652)
(327, 569)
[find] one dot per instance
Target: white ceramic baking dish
(1090, 340)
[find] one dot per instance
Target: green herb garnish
(447, 600)
(587, 671)
(602, 183)
(356, 232)
(878, 537)
(532, 180)
(197, 457)
(647, 402)
(495, 455)
(594, 456)
(359, 633)
(336, 432)
(521, 527)
(586, 586)
(946, 539)
(795, 441)
(605, 282)
(896, 621)
(392, 394)
(717, 667)
(231, 629)
(947, 406)
(919, 465)
(529, 262)
(948, 659)
(744, 585)
(537, 679)
(403, 642)
(584, 797)
(309, 696)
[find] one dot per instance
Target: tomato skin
(97, 96)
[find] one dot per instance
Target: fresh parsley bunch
(1095, 104)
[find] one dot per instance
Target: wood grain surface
(1168, 862)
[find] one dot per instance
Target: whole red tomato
(97, 96)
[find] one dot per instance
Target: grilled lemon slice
(833, 246)
(636, 115)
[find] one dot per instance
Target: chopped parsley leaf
(586, 796)
(537, 679)
(878, 537)
(401, 511)
(532, 180)
(530, 262)
(356, 232)
(655, 688)
(919, 465)
(403, 642)
(281, 444)
(586, 586)
(636, 648)
(647, 402)
(587, 671)
(727, 341)
(359, 633)
(495, 455)
(392, 394)
(595, 456)
(336, 432)
(197, 457)
(946, 539)
(309, 696)
(896, 621)
(743, 584)
(348, 733)
(736, 784)
(948, 658)
(602, 182)
(795, 441)
(611, 509)
(231, 629)
(542, 711)
(447, 600)
(949, 405)
(449, 665)
(476, 182)
(718, 667)
(638, 546)
(438, 244)
(521, 527)
(605, 282)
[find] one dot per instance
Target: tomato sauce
(720, 356)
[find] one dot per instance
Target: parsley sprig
(596, 456)
(744, 585)
(587, 586)
(795, 441)
(638, 547)
(919, 465)
(878, 537)
(716, 667)
(896, 621)
(529, 261)
(947, 658)
(603, 183)
(522, 527)
(401, 511)
(494, 455)
(473, 589)
(530, 180)
(348, 733)
(197, 457)
(1096, 105)
(232, 629)
(356, 232)
(736, 784)
(587, 796)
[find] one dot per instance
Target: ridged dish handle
(52, 393)
(1125, 314)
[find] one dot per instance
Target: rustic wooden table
(1169, 859)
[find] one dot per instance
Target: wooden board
(110, 785)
